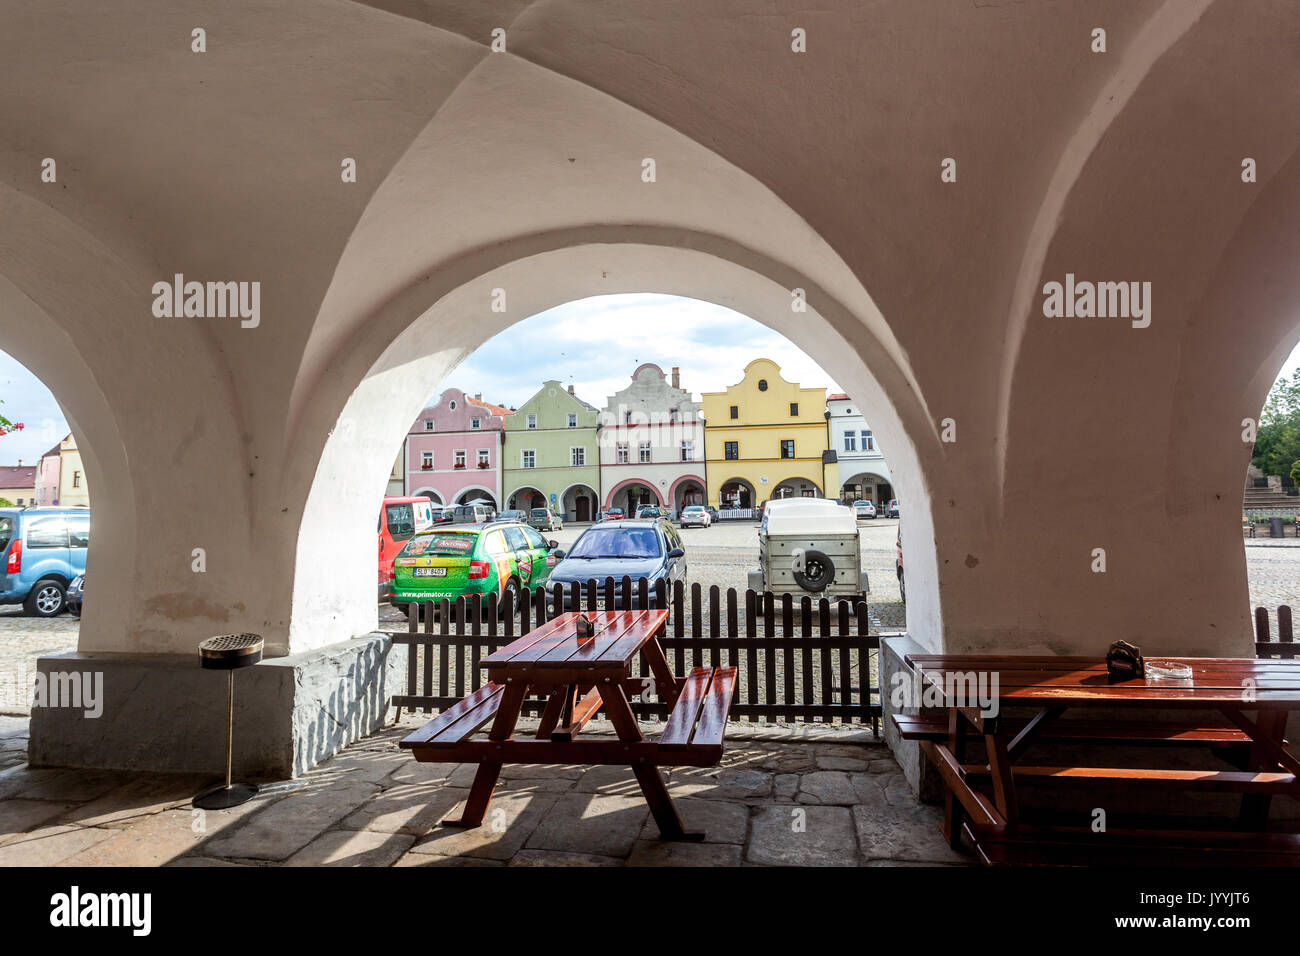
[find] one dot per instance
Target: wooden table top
(556, 646)
(1215, 681)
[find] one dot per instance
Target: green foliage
(6, 503)
(1277, 443)
(1295, 472)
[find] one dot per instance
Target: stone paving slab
(812, 797)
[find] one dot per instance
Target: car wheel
(45, 598)
(511, 588)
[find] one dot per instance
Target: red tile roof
(17, 476)
(838, 397)
(494, 409)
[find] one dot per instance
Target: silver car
(864, 509)
(695, 516)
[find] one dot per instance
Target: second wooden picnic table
(579, 676)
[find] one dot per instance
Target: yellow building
(72, 475)
(766, 438)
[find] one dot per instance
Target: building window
(460, 458)
(428, 424)
(452, 404)
(644, 448)
(672, 416)
(621, 455)
(20, 501)
(731, 451)
(850, 441)
(868, 442)
(627, 418)
(688, 451)
(762, 385)
(76, 479)
(577, 456)
(532, 421)
(426, 459)
(573, 420)
(476, 423)
(483, 458)
(528, 458)
(787, 448)
(735, 411)
(794, 409)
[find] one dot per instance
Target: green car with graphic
(472, 559)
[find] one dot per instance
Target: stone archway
(798, 487)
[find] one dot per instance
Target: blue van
(42, 550)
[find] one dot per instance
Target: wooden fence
(797, 661)
(1284, 647)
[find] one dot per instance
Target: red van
(399, 520)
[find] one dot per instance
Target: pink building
(453, 451)
(47, 476)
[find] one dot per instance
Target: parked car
(864, 509)
(810, 547)
(646, 548)
(75, 595)
(899, 562)
(611, 514)
(713, 512)
(512, 516)
(651, 511)
(443, 515)
(544, 519)
(399, 519)
(505, 557)
(695, 516)
(473, 513)
(44, 550)
(893, 508)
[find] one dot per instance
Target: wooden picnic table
(1253, 697)
(580, 676)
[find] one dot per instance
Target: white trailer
(810, 546)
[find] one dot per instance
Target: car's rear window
(693, 508)
(442, 545)
(617, 543)
(539, 512)
(400, 520)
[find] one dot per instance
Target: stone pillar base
(166, 714)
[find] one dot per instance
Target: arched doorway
(476, 493)
(737, 493)
(522, 499)
(867, 486)
(430, 494)
(797, 488)
(631, 495)
(687, 491)
(579, 503)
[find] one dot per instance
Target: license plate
(430, 573)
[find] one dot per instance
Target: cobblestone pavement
(777, 802)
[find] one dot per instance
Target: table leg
(648, 777)
(485, 779)
(952, 809)
(666, 687)
(550, 715)
(1004, 785)
(1271, 726)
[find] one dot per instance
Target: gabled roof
(494, 409)
(17, 476)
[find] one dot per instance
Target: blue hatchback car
(42, 550)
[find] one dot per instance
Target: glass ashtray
(1167, 670)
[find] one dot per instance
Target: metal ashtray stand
(228, 652)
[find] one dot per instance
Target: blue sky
(594, 343)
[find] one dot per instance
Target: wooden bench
(458, 722)
(925, 727)
(1218, 781)
(698, 720)
(1067, 846)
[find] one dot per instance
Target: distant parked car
(512, 516)
(544, 519)
(611, 514)
(893, 508)
(864, 509)
(43, 550)
(75, 595)
(713, 512)
(649, 549)
(505, 558)
(471, 514)
(695, 516)
(651, 511)
(443, 515)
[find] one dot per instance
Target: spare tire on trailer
(818, 571)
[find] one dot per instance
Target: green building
(551, 455)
